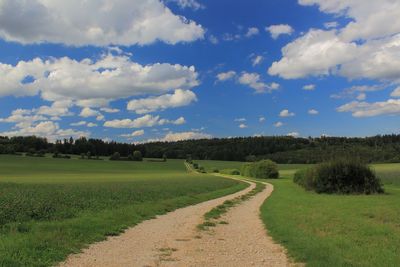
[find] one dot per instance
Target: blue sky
(144, 70)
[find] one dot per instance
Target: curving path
(173, 240)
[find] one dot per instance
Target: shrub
(230, 171)
(137, 155)
(195, 166)
(344, 176)
(215, 170)
(264, 169)
(115, 156)
(202, 169)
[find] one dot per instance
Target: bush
(195, 166)
(137, 155)
(264, 169)
(340, 176)
(230, 171)
(215, 170)
(115, 156)
(202, 169)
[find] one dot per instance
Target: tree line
(281, 149)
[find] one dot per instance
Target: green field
(337, 230)
(50, 208)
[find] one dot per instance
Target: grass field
(50, 208)
(337, 230)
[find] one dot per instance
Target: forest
(281, 149)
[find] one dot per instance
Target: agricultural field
(50, 208)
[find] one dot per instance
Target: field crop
(50, 208)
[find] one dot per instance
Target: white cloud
(179, 98)
(261, 119)
(91, 124)
(213, 39)
(316, 53)
(252, 31)
(253, 80)
(79, 123)
(224, 76)
(280, 29)
(293, 134)
(192, 4)
(173, 137)
(278, 124)
(134, 134)
(396, 92)
(47, 129)
(88, 112)
(240, 120)
(367, 47)
(145, 121)
(257, 60)
(331, 24)
(365, 109)
(242, 126)
(309, 87)
(93, 22)
(358, 91)
(313, 112)
(286, 113)
(110, 110)
(93, 83)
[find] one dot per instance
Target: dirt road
(173, 240)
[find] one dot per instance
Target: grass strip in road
(212, 216)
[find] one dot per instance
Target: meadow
(50, 208)
(333, 230)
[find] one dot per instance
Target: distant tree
(137, 155)
(251, 158)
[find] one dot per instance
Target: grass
(50, 208)
(212, 216)
(337, 230)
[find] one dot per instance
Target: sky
(152, 70)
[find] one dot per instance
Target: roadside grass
(50, 208)
(337, 230)
(211, 217)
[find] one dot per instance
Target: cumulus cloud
(242, 126)
(141, 122)
(110, 110)
(48, 129)
(278, 124)
(253, 80)
(261, 119)
(252, 31)
(134, 134)
(180, 136)
(309, 87)
(313, 112)
(91, 83)
(179, 98)
(367, 47)
(357, 91)
(257, 60)
(396, 92)
(213, 39)
(316, 53)
(280, 29)
(93, 22)
(331, 24)
(293, 134)
(365, 109)
(88, 112)
(192, 4)
(224, 76)
(286, 113)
